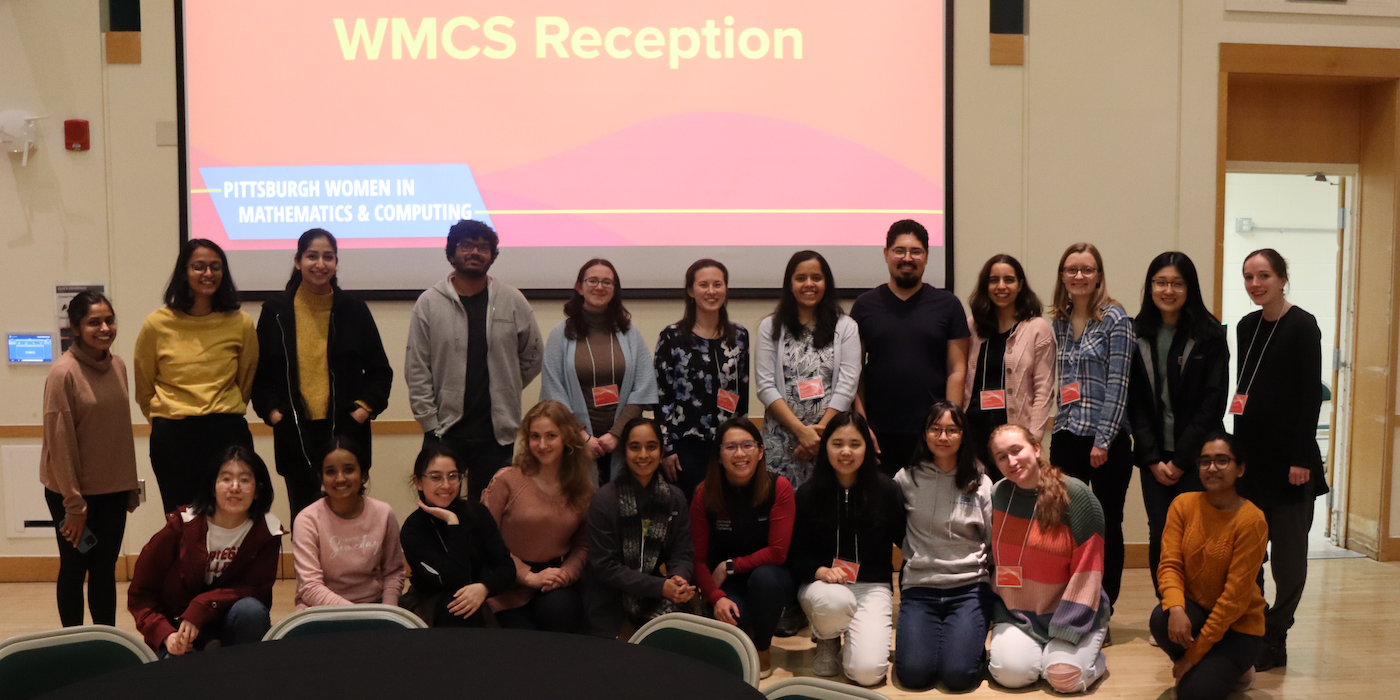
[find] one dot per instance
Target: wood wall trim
(384, 427)
(1277, 59)
(1008, 50)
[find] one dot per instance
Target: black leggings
(106, 517)
(560, 610)
(1217, 672)
(1110, 482)
(182, 450)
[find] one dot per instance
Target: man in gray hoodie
(473, 345)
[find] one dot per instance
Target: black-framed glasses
(1217, 462)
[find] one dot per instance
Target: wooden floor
(1346, 637)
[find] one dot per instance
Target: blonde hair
(1063, 305)
(575, 468)
(1053, 497)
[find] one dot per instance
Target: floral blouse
(690, 371)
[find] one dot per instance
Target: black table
(470, 664)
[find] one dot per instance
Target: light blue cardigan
(559, 382)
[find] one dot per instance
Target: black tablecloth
(471, 664)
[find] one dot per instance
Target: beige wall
(1107, 134)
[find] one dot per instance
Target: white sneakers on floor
(828, 659)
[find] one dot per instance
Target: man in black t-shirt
(915, 340)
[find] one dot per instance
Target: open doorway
(1307, 219)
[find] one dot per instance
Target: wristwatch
(729, 566)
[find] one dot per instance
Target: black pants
(183, 450)
(761, 595)
(1289, 524)
(1215, 675)
(694, 456)
(481, 459)
(559, 610)
(896, 450)
(106, 517)
(1157, 499)
(1110, 482)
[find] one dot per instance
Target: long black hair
(303, 244)
(967, 475)
(984, 312)
(1196, 319)
(205, 501)
(575, 325)
(828, 310)
(178, 295)
(823, 482)
(687, 322)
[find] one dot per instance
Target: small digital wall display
(31, 348)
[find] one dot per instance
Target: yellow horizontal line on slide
(494, 212)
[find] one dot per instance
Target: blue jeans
(247, 621)
(942, 635)
(761, 595)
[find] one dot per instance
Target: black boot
(792, 621)
(1273, 655)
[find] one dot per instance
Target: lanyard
(716, 346)
(1262, 350)
(996, 552)
(1003, 360)
(847, 496)
(612, 361)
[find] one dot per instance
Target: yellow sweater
(195, 365)
(313, 318)
(1212, 557)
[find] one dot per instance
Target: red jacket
(168, 584)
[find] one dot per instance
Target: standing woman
(1011, 365)
(195, 360)
(1052, 611)
(322, 370)
(1180, 381)
(88, 464)
(848, 509)
(540, 504)
(944, 597)
(597, 363)
(1094, 339)
(808, 366)
(702, 374)
(741, 521)
(1276, 406)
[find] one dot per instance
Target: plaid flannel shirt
(1100, 362)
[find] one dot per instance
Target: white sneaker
(828, 659)
(1152, 639)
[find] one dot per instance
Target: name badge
(1069, 393)
(1008, 577)
(811, 389)
(852, 568)
(1237, 404)
(993, 399)
(728, 401)
(605, 396)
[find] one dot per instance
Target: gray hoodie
(435, 364)
(946, 540)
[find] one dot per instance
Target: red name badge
(993, 399)
(1008, 577)
(811, 389)
(1069, 393)
(852, 568)
(1237, 404)
(605, 396)
(728, 401)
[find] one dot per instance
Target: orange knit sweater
(1212, 557)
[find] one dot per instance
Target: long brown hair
(619, 319)
(762, 481)
(576, 466)
(984, 312)
(1052, 497)
(687, 322)
(1064, 305)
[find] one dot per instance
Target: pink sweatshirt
(342, 562)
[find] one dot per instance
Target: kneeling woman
(539, 504)
(452, 545)
(944, 594)
(1211, 620)
(847, 508)
(741, 523)
(346, 545)
(1047, 544)
(209, 573)
(637, 523)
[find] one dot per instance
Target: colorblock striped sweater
(1061, 593)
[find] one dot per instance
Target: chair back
(804, 688)
(344, 618)
(34, 664)
(723, 646)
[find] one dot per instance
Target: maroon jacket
(168, 584)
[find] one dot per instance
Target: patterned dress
(801, 362)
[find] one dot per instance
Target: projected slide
(643, 131)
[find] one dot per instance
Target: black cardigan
(359, 369)
(471, 551)
(605, 544)
(1198, 381)
(879, 528)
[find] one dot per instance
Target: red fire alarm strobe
(76, 136)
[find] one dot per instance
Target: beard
(472, 272)
(906, 280)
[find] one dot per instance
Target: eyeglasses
(730, 448)
(1218, 462)
(439, 477)
(915, 253)
(469, 247)
(1072, 272)
(950, 431)
(604, 282)
(201, 266)
(1174, 285)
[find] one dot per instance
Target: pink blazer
(1030, 374)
